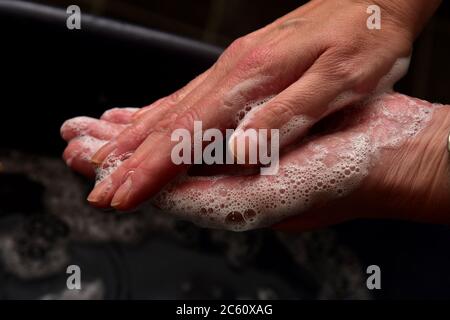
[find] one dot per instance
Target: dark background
(50, 74)
(220, 21)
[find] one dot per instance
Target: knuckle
(349, 46)
(343, 65)
(71, 150)
(238, 45)
(137, 131)
(176, 121)
(173, 98)
(234, 50)
(157, 103)
(109, 113)
(186, 120)
(163, 126)
(344, 71)
(281, 108)
(221, 65)
(256, 58)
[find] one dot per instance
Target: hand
(386, 159)
(310, 62)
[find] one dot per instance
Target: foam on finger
(87, 126)
(79, 152)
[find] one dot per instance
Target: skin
(409, 181)
(322, 42)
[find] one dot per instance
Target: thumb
(326, 87)
(292, 112)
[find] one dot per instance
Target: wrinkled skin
(406, 178)
(322, 42)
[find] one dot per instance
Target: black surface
(50, 74)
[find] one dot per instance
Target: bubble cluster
(109, 165)
(398, 70)
(83, 126)
(344, 99)
(77, 126)
(326, 167)
(250, 108)
(261, 201)
(288, 132)
(294, 128)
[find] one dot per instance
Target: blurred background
(129, 53)
(220, 21)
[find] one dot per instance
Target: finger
(78, 153)
(143, 110)
(80, 126)
(131, 138)
(132, 171)
(177, 97)
(119, 115)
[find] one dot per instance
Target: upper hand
(312, 61)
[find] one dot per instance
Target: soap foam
(83, 126)
(398, 70)
(109, 165)
(249, 109)
(344, 99)
(288, 132)
(385, 84)
(77, 125)
(324, 168)
(294, 128)
(88, 146)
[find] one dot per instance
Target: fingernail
(134, 110)
(122, 193)
(103, 152)
(139, 113)
(99, 192)
(136, 115)
(69, 161)
(101, 155)
(97, 159)
(94, 196)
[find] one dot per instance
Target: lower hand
(372, 164)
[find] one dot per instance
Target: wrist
(415, 179)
